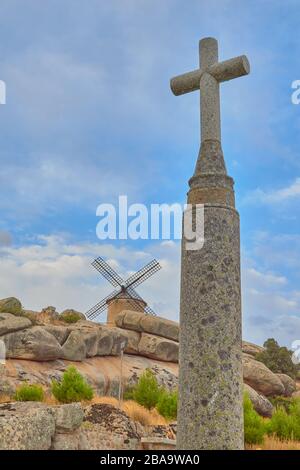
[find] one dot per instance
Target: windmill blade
(143, 274)
(107, 272)
(135, 296)
(149, 311)
(100, 306)
(137, 306)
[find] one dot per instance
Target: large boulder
(289, 384)
(133, 339)
(130, 320)
(26, 426)
(105, 343)
(158, 348)
(74, 348)
(260, 403)
(68, 417)
(259, 377)
(251, 349)
(86, 340)
(139, 321)
(91, 340)
(11, 305)
(59, 332)
(34, 343)
(10, 323)
(160, 327)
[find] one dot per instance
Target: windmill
(124, 296)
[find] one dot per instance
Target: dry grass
(5, 398)
(273, 443)
(135, 411)
(50, 400)
(104, 400)
(146, 417)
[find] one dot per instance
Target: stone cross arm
(207, 79)
(221, 71)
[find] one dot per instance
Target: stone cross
(208, 77)
(210, 411)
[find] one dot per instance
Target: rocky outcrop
(148, 342)
(260, 403)
(10, 323)
(251, 349)
(140, 322)
(159, 348)
(68, 417)
(59, 332)
(259, 377)
(288, 383)
(74, 349)
(36, 426)
(26, 426)
(103, 373)
(11, 305)
(48, 315)
(33, 343)
(50, 339)
(108, 428)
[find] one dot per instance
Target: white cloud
(264, 279)
(274, 196)
(54, 271)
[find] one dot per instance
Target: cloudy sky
(90, 116)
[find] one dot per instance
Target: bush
(72, 388)
(29, 392)
(283, 425)
(167, 404)
(128, 393)
(282, 402)
(254, 426)
(285, 421)
(147, 390)
(70, 317)
(278, 359)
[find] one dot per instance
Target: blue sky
(90, 116)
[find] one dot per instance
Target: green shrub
(71, 317)
(147, 390)
(281, 402)
(254, 426)
(73, 387)
(128, 393)
(278, 359)
(284, 425)
(167, 404)
(29, 392)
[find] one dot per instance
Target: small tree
(147, 390)
(72, 388)
(277, 358)
(167, 404)
(254, 427)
